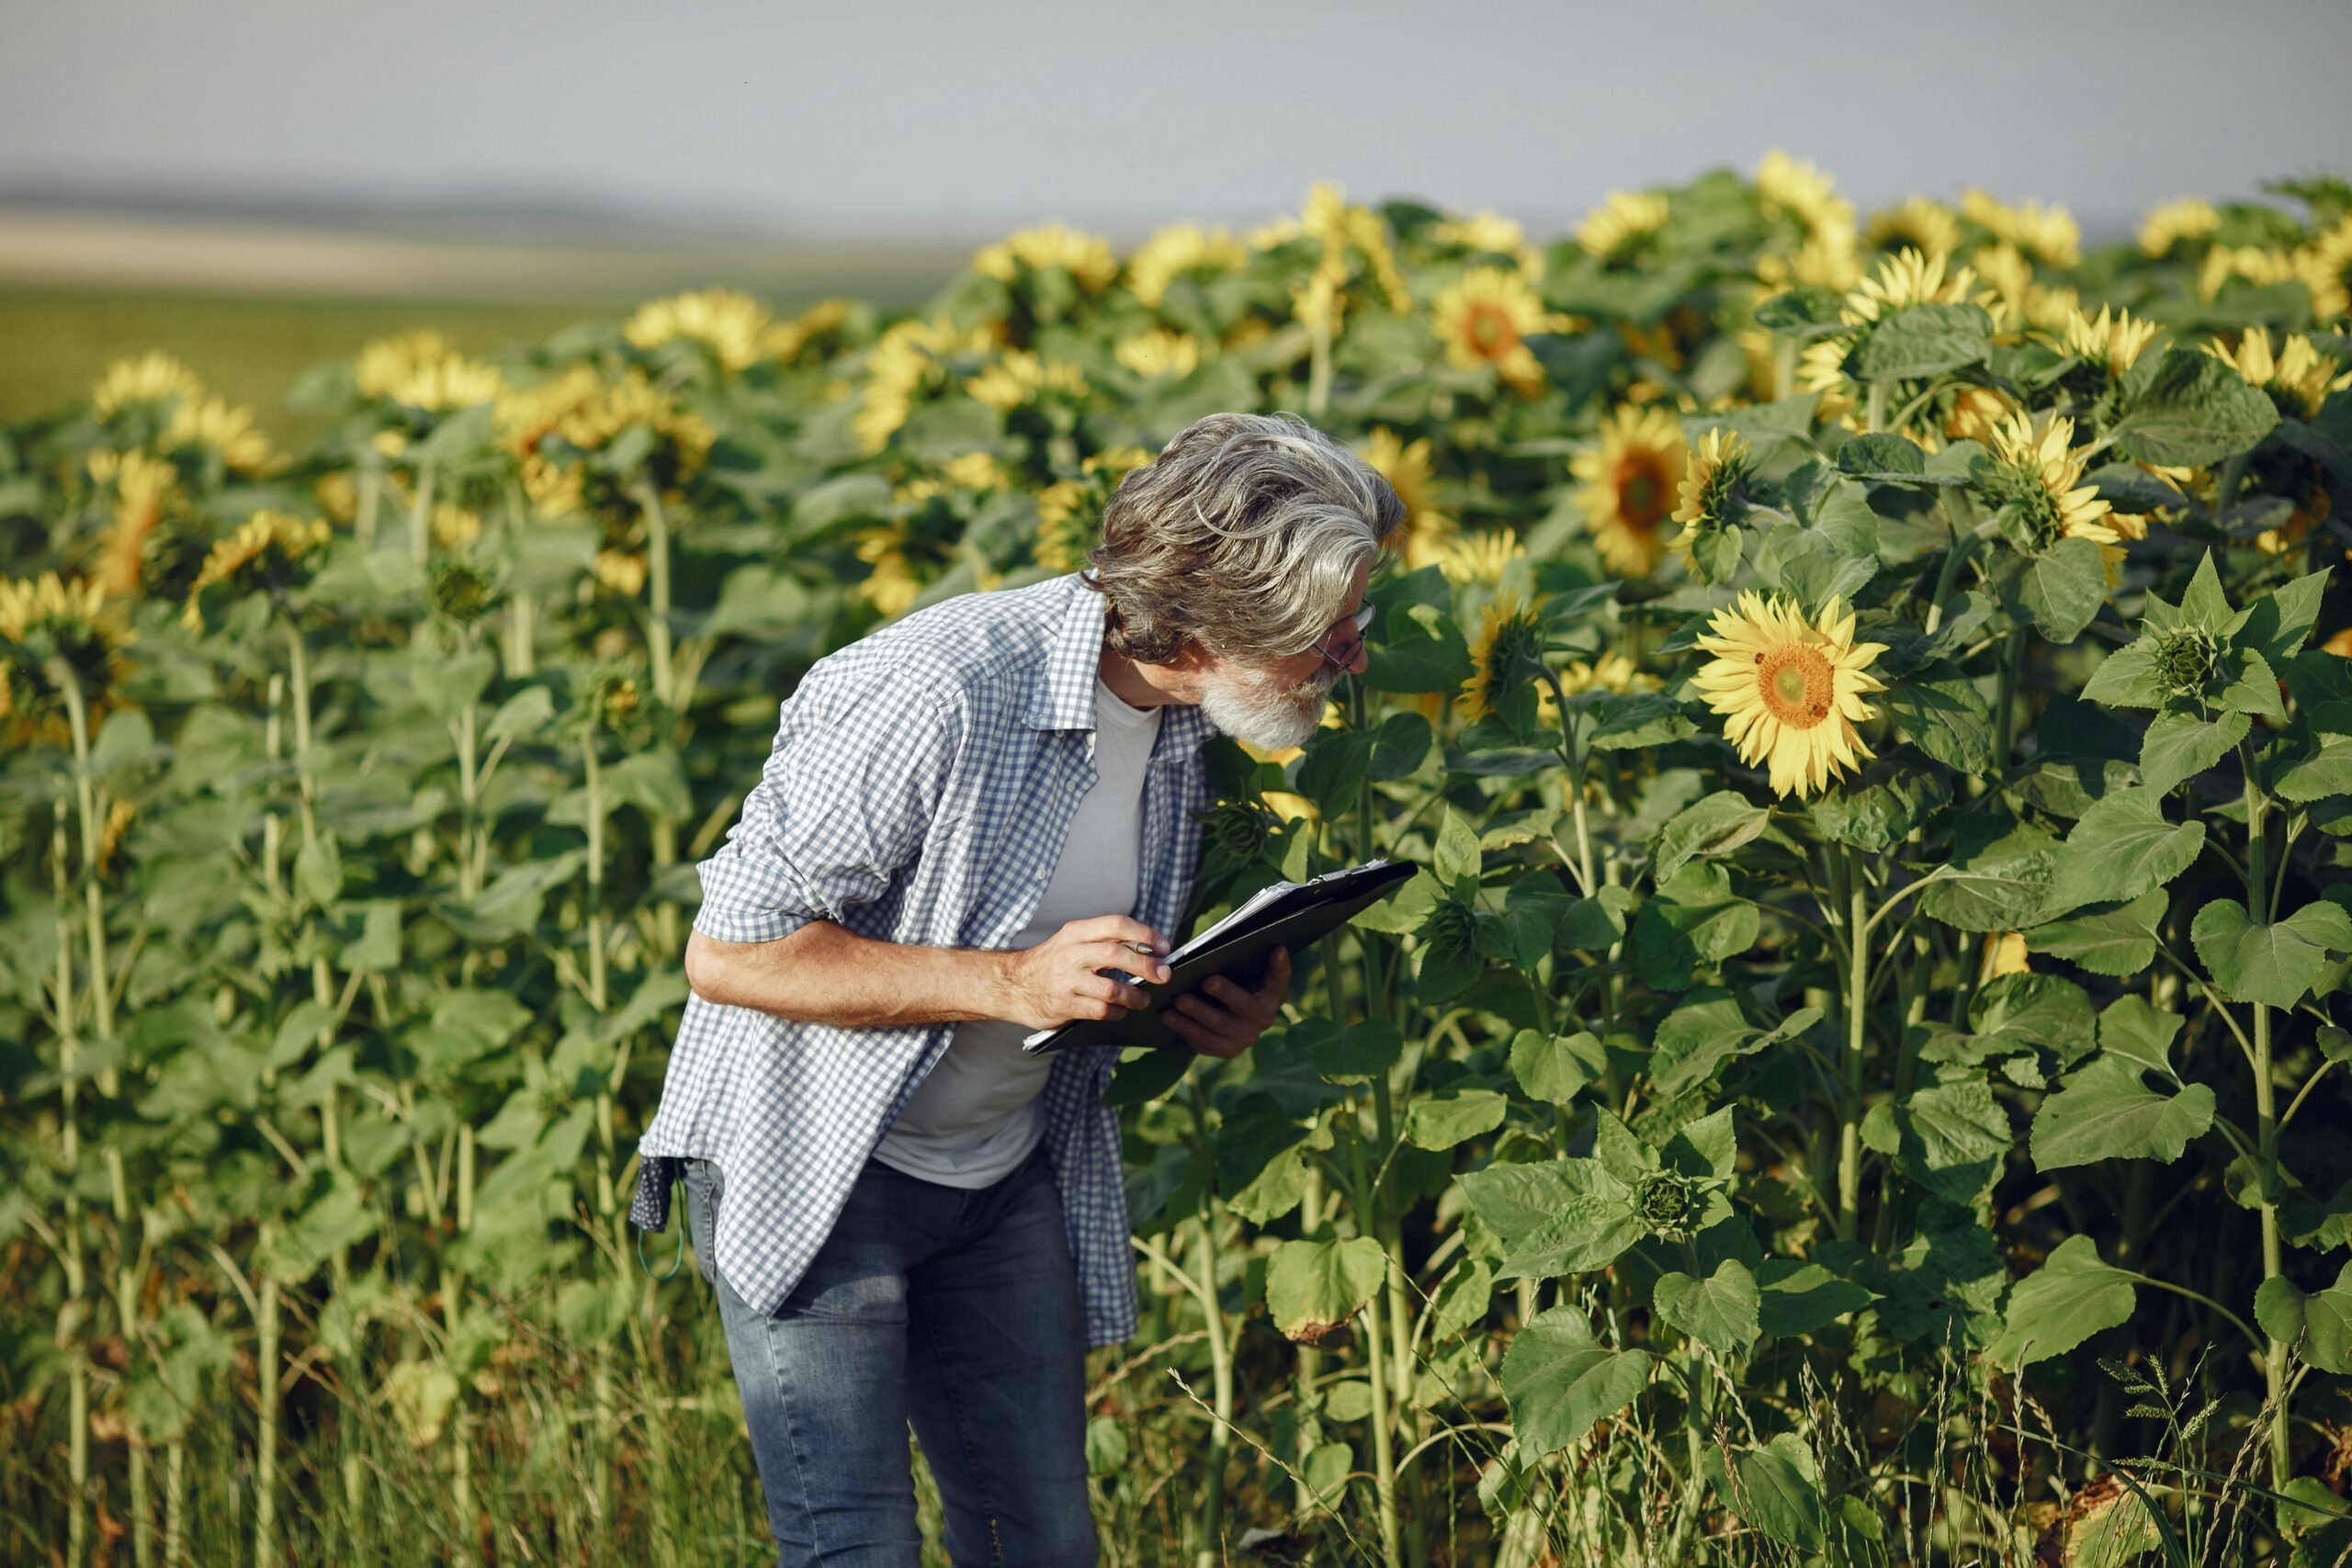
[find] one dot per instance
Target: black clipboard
(1286, 914)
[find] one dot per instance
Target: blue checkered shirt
(920, 784)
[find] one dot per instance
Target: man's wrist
(997, 985)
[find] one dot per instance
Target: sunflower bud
(462, 588)
(2185, 659)
(1670, 1203)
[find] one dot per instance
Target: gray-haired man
(964, 814)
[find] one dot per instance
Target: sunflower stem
(2266, 1123)
(1850, 1124)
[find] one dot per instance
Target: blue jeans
(955, 1308)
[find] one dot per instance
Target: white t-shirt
(974, 1117)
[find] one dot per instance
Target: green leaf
(2319, 1324)
(2127, 678)
(2323, 774)
(1400, 746)
(1562, 1216)
(2136, 1031)
(1556, 1068)
(1719, 1311)
(2179, 747)
(1923, 341)
(1358, 1053)
(1715, 825)
(1993, 884)
(1940, 711)
(1695, 919)
(2276, 963)
(1950, 1138)
(2072, 1296)
(2184, 406)
(1457, 860)
(2278, 624)
(2060, 588)
(2108, 1112)
(1461, 1301)
(2117, 940)
(1800, 1298)
(1776, 1487)
(2122, 847)
(1561, 1380)
(1453, 1114)
(1313, 1287)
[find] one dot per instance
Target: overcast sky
(861, 114)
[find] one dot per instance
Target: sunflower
(912, 358)
(454, 527)
(1159, 353)
(1791, 690)
(1181, 250)
(1824, 261)
(268, 553)
(2050, 232)
(1489, 233)
(1794, 187)
(1481, 557)
(2294, 373)
(2168, 224)
(148, 380)
(1610, 672)
(1504, 657)
(1970, 414)
(1629, 485)
(1406, 466)
(1086, 257)
(2117, 344)
(1485, 316)
(43, 623)
(1922, 224)
(892, 584)
(2259, 265)
(1712, 481)
(1020, 377)
(727, 324)
(2003, 952)
(1906, 278)
(144, 487)
(819, 328)
(1622, 224)
(214, 427)
(2038, 474)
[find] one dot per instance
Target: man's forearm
(824, 974)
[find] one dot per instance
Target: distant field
(249, 349)
(249, 309)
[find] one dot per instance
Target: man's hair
(1244, 533)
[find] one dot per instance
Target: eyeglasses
(1352, 633)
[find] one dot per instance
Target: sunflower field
(1852, 1081)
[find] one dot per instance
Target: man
(965, 815)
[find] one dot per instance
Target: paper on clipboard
(1310, 911)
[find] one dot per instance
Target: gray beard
(1272, 719)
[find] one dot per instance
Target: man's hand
(1229, 1029)
(1056, 982)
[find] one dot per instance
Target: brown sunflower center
(1490, 332)
(1796, 684)
(1645, 489)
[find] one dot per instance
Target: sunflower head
(2032, 475)
(1484, 556)
(2294, 372)
(726, 325)
(1790, 689)
(271, 553)
(1624, 226)
(1629, 485)
(51, 627)
(1505, 657)
(1923, 224)
(1182, 251)
(203, 432)
(614, 700)
(1425, 531)
(463, 587)
(2116, 345)
(1159, 354)
(2175, 222)
(1713, 490)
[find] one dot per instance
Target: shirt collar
(1064, 699)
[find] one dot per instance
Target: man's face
(1277, 705)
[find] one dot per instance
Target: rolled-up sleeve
(859, 771)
